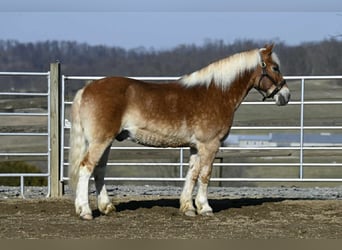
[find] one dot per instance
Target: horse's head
(269, 81)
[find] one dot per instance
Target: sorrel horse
(195, 111)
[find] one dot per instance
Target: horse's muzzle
(282, 97)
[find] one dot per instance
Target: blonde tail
(78, 145)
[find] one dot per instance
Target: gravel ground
(152, 212)
(321, 193)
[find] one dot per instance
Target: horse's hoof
(207, 213)
(190, 213)
(86, 217)
(109, 208)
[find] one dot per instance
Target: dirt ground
(153, 217)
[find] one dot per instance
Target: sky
(164, 24)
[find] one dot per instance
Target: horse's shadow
(216, 204)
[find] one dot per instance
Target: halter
(278, 85)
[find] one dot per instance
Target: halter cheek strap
(278, 85)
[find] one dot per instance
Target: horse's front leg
(103, 202)
(186, 203)
(202, 204)
(208, 153)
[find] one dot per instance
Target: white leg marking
(103, 201)
(201, 201)
(81, 201)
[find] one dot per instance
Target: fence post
(55, 85)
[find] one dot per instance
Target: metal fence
(295, 124)
(11, 118)
(314, 108)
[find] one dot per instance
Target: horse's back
(107, 86)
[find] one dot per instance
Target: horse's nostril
(280, 100)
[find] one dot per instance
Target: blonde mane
(225, 71)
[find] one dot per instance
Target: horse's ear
(268, 49)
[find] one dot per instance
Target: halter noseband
(278, 85)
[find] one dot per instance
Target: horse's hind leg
(81, 200)
(90, 160)
(103, 202)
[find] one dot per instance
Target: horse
(195, 111)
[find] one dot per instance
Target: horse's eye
(275, 68)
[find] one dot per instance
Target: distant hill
(318, 58)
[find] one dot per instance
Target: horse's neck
(238, 90)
